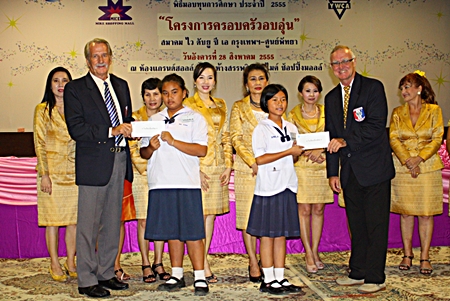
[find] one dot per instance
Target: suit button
(349, 155)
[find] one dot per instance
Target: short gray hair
(339, 47)
(87, 50)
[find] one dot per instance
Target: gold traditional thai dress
(219, 156)
(313, 185)
(422, 195)
(55, 152)
(243, 121)
(140, 184)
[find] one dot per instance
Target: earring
(246, 88)
(418, 93)
(195, 86)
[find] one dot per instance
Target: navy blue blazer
(368, 152)
(88, 124)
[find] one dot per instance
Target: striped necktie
(112, 111)
(346, 99)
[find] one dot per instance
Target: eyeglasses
(344, 63)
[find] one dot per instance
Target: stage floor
(29, 279)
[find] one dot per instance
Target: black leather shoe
(113, 284)
(170, 287)
(290, 288)
(268, 288)
(94, 291)
(199, 290)
(254, 279)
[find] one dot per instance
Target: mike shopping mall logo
(114, 14)
(339, 6)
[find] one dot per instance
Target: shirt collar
(351, 84)
(100, 81)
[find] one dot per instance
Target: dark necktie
(171, 119)
(112, 111)
(284, 137)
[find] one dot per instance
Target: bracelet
(173, 141)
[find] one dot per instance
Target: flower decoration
(419, 72)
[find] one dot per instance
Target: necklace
(255, 104)
(211, 104)
(309, 115)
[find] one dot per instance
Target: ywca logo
(339, 6)
(115, 11)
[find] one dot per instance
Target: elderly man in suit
(97, 108)
(355, 115)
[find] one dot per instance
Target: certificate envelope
(313, 140)
(147, 128)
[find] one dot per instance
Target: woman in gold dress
(448, 151)
(447, 145)
(245, 115)
(151, 96)
(416, 132)
(215, 167)
(313, 189)
(57, 192)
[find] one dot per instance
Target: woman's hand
(316, 156)
(254, 168)
(167, 137)
(296, 150)
(46, 184)
(225, 177)
(413, 162)
(415, 172)
(154, 142)
(204, 181)
(306, 153)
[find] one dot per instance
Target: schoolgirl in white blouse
(273, 215)
(175, 210)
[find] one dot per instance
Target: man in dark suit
(97, 108)
(355, 115)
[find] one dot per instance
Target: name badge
(359, 114)
(187, 119)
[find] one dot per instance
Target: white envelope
(147, 128)
(313, 140)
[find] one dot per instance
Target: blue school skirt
(274, 216)
(175, 214)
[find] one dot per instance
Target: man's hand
(125, 129)
(335, 144)
(335, 184)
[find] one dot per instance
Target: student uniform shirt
(277, 176)
(168, 167)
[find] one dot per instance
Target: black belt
(117, 149)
